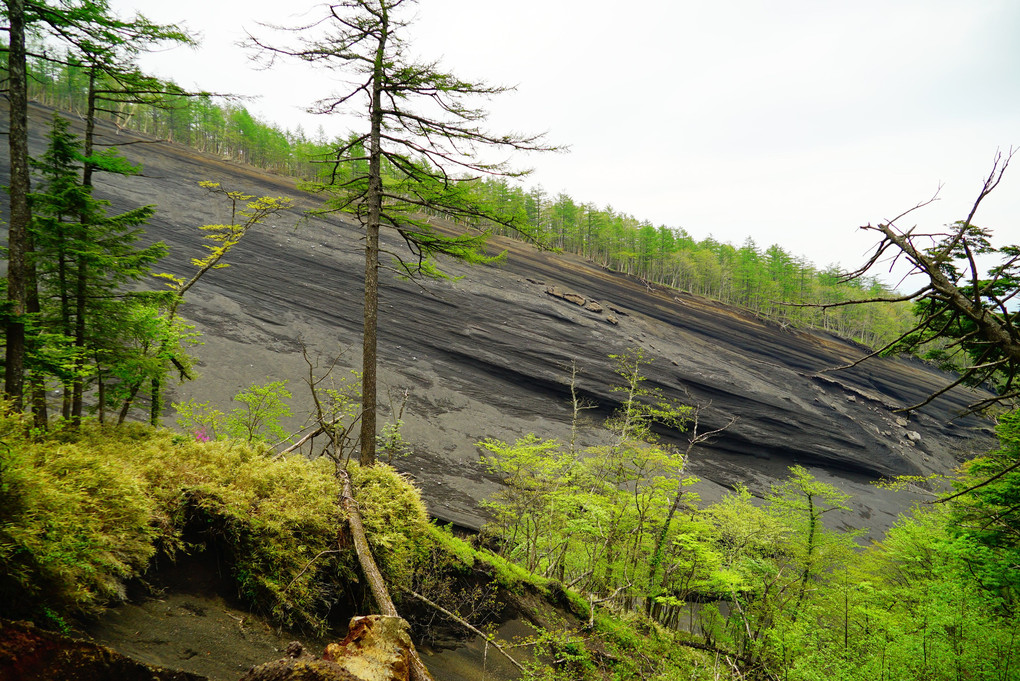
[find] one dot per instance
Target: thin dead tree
(422, 149)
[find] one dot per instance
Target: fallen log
(376, 583)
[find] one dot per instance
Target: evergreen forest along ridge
(488, 354)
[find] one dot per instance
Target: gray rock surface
(487, 354)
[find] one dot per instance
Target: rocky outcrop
(28, 653)
(570, 297)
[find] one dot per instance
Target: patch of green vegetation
(455, 547)
(511, 575)
(635, 647)
(82, 514)
(396, 522)
(617, 646)
(73, 525)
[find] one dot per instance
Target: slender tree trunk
(81, 288)
(40, 413)
(90, 130)
(369, 344)
(126, 407)
(813, 520)
(20, 215)
(63, 276)
(155, 407)
(78, 385)
(102, 397)
(660, 541)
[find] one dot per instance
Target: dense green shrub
(83, 513)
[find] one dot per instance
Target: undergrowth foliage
(745, 589)
(79, 519)
(73, 525)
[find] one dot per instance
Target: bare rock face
(28, 653)
(484, 354)
(376, 648)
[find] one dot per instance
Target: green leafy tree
(246, 212)
(800, 502)
(596, 517)
(986, 509)
(158, 343)
(910, 607)
(421, 149)
(934, 599)
(529, 513)
(258, 420)
(775, 561)
(750, 541)
(200, 419)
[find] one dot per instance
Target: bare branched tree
(968, 304)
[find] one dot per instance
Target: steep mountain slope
(487, 355)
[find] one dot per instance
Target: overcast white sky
(789, 121)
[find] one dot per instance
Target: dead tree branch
(467, 625)
(962, 301)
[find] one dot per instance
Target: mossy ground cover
(83, 513)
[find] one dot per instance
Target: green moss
(395, 519)
(73, 526)
(85, 511)
(460, 552)
(511, 575)
(639, 648)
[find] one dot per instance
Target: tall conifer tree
(17, 233)
(93, 35)
(417, 154)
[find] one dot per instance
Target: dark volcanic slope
(485, 355)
